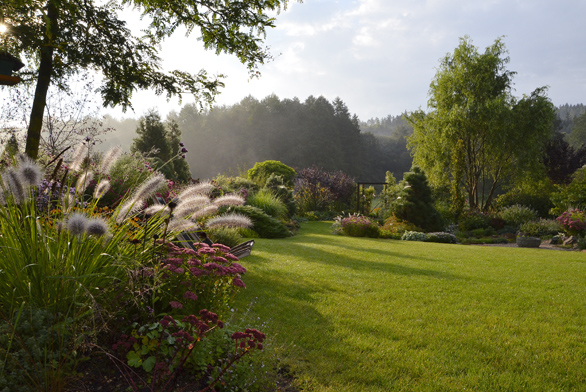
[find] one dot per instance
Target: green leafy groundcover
(361, 314)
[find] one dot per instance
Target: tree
(476, 133)
(562, 160)
(577, 138)
(162, 144)
(59, 38)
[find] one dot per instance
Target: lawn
(357, 314)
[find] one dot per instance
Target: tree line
(299, 134)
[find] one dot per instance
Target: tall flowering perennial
(191, 280)
(573, 222)
(357, 225)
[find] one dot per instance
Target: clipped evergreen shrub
(441, 237)
(414, 236)
(265, 225)
(261, 171)
(415, 202)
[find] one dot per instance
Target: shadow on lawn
(301, 248)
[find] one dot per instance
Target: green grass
(358, 314)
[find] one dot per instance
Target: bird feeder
(9, 64)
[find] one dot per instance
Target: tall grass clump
(266, 200)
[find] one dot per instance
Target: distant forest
(230, 139)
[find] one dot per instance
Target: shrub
(276, 184)
(238, 185)
(414, 236)
(573, 222)
(571, 196)
(441, 237)
(517, 214)
(261, 172)
(397, 226)
(415, 203)
(536, 196)
(541, 228)
(359, 226)
(36, 351)
(318, 190)
(265, 225)
(471, 219)
(225, 235)
(266, 200)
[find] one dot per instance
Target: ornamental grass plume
(230, 220)
(206, 211)
(161, 209)
(129, 208)
(14, 182)
(83, 182)
(229, 200)
(191, 205)
(101, 189)
(68, 202)
(78, 156)
(203, 188)
(97, 227)
(177, 225)
(77, 223)
(149, 187)
(30, 172)
(109, 159)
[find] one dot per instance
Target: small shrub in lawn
(541, 228)
(441, 237)
(517, 214)
(414, 236)
(359, 226)
(573, 222)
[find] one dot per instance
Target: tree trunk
(33, 137)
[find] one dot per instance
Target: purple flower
(184, 150)
(190, 295)
(181, 144)
(183, 156)
(176, 305)
(238, 282)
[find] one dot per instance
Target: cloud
(380, 56)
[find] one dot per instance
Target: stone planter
(528, 242)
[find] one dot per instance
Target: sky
(380, 56)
